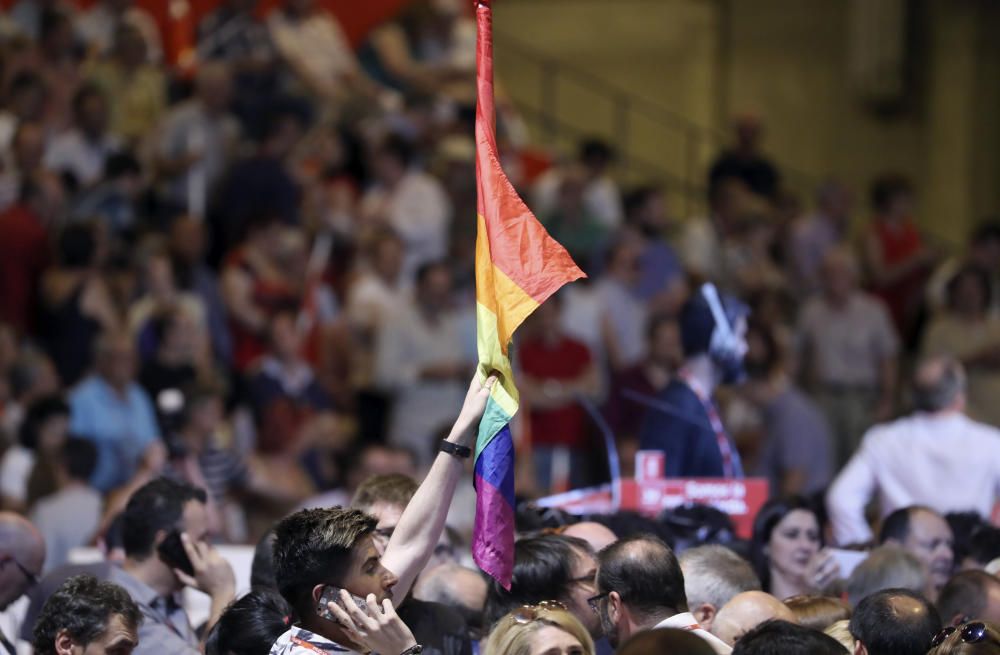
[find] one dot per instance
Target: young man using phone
(320, 548)
(164, 531)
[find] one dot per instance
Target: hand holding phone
(172, 553)
(331, 594)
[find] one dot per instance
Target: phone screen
(172, 552)
(331, 594)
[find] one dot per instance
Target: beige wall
(785, 60)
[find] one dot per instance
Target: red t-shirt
(566, 360)
(24, 248)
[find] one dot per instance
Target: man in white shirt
(82, 150)
(410, 202)
(641, 587)
(936, 457)
(420, 359)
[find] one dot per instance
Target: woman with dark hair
(787, 549)
(968, 332)
(250, 625)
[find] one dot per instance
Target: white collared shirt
(945, 461)
(686, 621)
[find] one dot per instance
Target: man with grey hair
(458, 587)
(887, 567)
(937, 442)
(713, 575)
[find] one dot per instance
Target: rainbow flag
(518, 266)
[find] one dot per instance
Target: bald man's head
(598, 536)
(939, 385)
(745, 612)
(895, 622)
(456, 586)
(22, 554)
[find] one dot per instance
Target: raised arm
(421, 524)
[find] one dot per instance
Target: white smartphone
(331, 594)
(848, 560)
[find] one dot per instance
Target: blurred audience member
(24, 250)
(970, 596)
(665, 640)
(745, 160)
(255, 287)
(600, 195)
(896, 460)
(713, 576)
(848, 353)
(139, 88)
(408, 201)
(98, 26)
(458, 587)
(815, 235)
(112, 410)
(198, 140)
(623, 314)
(897, 256)
(661, 271)
(27, 468)
(69, 518)
(571, 223)
(969, 332)
(982, 252)
(79, 153)
(420, 360)
(76, 302)
(282, 388)
(250, 625)
(22, 555)
(312, 43)
(648, 377)
(925, 534)
(886, 567)
(559, 374)
(796, 455)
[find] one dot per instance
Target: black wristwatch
(453, 449)
(413, 650)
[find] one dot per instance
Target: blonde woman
(543, 629)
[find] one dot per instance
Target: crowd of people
(237, 306)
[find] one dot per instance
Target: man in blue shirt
(683, 420)
(114, 412)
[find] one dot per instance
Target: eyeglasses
(594, 600)
(31, 577)
(529, 613)
(972, 633)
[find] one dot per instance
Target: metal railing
(674, 149)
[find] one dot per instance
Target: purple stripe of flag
(493, 536)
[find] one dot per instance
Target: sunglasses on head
(529, 613)
(972, 633)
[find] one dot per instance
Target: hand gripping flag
(518, 266)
